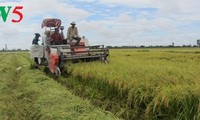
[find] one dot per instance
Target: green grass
(30, 94)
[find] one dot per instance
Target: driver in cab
(56, 37)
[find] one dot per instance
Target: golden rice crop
(162, 83)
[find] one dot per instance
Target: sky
(107, 22)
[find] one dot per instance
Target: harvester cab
(56, 55)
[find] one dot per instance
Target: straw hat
(73, 23)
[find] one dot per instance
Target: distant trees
(151, 46)
(13, 50)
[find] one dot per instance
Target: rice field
(153, 83)
(137, 84)
(29, 94)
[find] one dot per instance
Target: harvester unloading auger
(55, 56)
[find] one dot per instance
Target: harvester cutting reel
(60, 54)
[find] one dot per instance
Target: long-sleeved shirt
(56, 38)
(72, 32)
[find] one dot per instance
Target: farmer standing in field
(72, 33)
(36, 39)
(35, 43)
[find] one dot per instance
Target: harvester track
(101, 94)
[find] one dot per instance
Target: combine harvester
(55, 56)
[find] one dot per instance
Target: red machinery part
(54, 59)
(80, 49)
